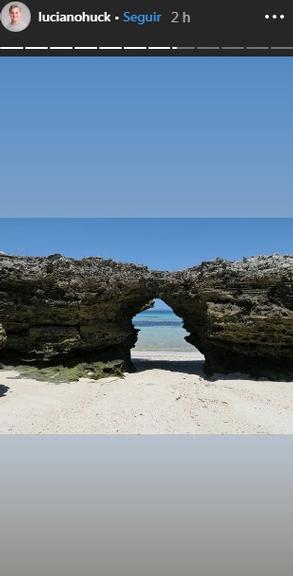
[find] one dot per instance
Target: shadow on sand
(183, 366)
(3, 390)
(195, 367)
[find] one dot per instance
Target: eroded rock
(238, 314)
(3, 337)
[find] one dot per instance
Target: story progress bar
(146, 48)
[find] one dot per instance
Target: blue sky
(146, 137)
(168, 244)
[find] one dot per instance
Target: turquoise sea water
(161, 330)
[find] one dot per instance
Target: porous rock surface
(3, 337)
(238, 314)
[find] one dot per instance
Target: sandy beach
(168, 394)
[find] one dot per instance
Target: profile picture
(15, 16)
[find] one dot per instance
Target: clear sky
(168, 244)
(146, 136)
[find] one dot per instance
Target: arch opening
(159, 329)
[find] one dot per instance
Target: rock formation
(3, 338)
(238, 314)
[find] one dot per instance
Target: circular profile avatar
(15, 16)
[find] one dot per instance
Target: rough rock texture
(56, 306)
(238, 314)
(3, 337)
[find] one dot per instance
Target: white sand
(168, 395)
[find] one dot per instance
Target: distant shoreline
(161, 330)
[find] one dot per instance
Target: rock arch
(239, 314)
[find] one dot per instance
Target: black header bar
(146, 28)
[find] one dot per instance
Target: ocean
(161, 330)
